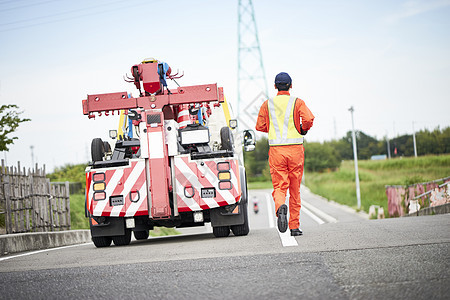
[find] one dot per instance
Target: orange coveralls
(286, 162)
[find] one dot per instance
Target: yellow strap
(226, 111)
(122, 118)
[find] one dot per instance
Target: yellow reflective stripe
(226, 110)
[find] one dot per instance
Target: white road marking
(44, 250)
(316, 214)
(286, 239)
(313, 216)
(270, 211)
(324, 216)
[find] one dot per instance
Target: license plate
(208, 192)
(116, 200)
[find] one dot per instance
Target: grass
(259, 185)
(79, 221)
(77, 218)
(340, 186)
(374, 175)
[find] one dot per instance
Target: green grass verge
(259, 185)
(340, 185)
(374, 175)
(79, 221)
(77, 218)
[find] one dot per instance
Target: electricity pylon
(252, 84)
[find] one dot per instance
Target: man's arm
(262, 124)
(303, 112)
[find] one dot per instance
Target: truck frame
(184, 168)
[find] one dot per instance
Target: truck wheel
(226, 137)
(97, 149)
(122, 240)
(242, 229)
(101, 241)
(221, 231)
(107, 146)
(141, 235)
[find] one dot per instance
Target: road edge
(21, 242)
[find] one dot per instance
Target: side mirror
(249, 140)
(113, 134)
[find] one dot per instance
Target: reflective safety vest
(282, 129)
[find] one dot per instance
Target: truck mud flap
(222, 217)
(116, 227)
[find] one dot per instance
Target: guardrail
(30, 203)
(403, 200)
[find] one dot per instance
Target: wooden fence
(30, 203)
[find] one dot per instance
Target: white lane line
(44, 250)
(270, 211)
(286, 239)
(324, 216)
(313, 216)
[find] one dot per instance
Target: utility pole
(414, 140)
(32, 156)
(388, 147)
(355, 155)
(251, 81)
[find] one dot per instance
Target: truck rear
(178, 162)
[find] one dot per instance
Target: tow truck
(178, 162)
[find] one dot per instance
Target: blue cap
(283, 78)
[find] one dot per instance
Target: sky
(388, 59)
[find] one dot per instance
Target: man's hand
(303, 132)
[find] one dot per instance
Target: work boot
(282, 218)
(296, 232)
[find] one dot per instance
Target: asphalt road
(341, 255)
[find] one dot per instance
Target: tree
(9, 121)
(256, 161)
(320, 157)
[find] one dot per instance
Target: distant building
(378, 157)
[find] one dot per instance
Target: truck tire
(107, 146)
(242, 229)
(221, 231)
(226, 137)
(97, 149)
(122, 240)
(101, 241)
(141, 235)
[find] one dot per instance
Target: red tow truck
(182, 166)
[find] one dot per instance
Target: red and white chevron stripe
(121, 181)
(204, 174)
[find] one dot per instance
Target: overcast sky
(389, 59)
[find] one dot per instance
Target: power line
(79, 16)
(26, 6)
(4, 2)
(63, 13)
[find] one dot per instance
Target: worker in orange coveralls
(287, 119)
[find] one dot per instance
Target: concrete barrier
(20, 242)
